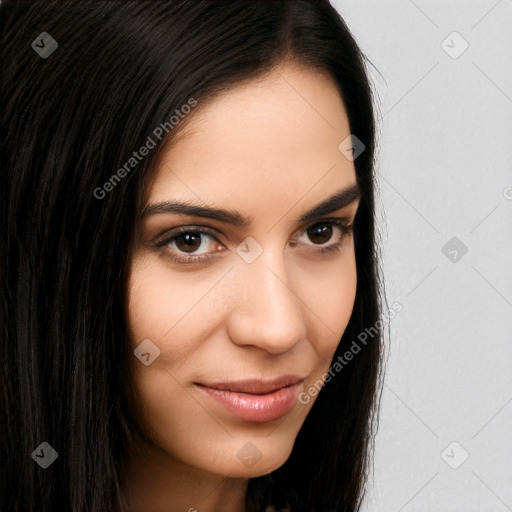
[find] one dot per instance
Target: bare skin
(271, 154)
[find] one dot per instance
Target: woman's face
(226, 301)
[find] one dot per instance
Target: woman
(189, 260)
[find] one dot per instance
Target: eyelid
(341, 222)
(164, 237)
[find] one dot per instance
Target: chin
(252, 459)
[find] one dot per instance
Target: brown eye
(189, 245)
(188, 242)
(320, 233)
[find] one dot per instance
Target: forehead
(268, 139)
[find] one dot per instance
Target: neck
(153, 481)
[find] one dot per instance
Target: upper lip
(256, 386)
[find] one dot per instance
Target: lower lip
(255, 408)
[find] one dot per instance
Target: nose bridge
(267, 313)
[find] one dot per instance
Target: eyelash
(177, 257)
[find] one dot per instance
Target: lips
(255, 386)
(255, 400)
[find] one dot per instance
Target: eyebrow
(335, 202)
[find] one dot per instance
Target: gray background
(444, 170)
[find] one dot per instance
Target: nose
(267, 313)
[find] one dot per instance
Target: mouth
(256, 386)
(255, 400)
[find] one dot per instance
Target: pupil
(191, 242)
(320, 234)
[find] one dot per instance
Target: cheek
(329, 295)
(176, 314)
(171, 311)
(165, 305)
